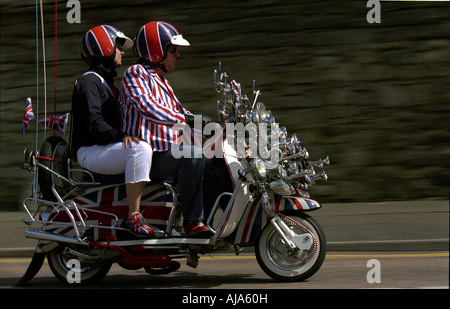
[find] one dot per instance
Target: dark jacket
(95, 110)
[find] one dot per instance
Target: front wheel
(283, 263)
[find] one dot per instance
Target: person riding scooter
(98, 142)
(150, 109)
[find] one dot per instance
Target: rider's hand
(206, 119)
(129, 140)
(189, 120)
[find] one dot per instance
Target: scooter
(261, 176)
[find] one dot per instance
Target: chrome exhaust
(42, 235)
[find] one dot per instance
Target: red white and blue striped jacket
(150, 107)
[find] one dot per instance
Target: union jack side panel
(254, 219)
(156, 207)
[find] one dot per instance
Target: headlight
(260, 168)
(268, 204)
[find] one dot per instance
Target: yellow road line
(337, 256)
(249, 257)
(15, 260)
(378, 255)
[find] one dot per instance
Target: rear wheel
(69, 269)
(283, 263)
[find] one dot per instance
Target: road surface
(340, 270)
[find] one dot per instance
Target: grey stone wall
(374, 97)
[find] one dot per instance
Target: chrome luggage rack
(46, 208)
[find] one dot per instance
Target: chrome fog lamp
(268, 204)
(248, 117)
(241, 113)
(261, 109)
(269, 117)
(277, 171)
(281, 187)
(255, 115)
(260, 168)
(293, 168)
(222, 111)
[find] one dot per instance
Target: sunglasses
(172, 50)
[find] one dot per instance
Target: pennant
(56, 122)
(27, 116)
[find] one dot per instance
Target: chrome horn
(320, 162)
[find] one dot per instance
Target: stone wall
(374, 97)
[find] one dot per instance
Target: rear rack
(76, 215)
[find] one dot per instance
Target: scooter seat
(105, 180)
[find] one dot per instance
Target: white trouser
(113, 159)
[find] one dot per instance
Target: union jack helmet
(99, 43)
(152, 39)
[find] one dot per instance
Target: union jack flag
(56, 122)
(102, 205)
(27, 116)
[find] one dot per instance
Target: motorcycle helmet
(152, 40)
(99, 44)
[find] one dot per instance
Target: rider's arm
(136, 88)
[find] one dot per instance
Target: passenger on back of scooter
(150, 109)
(97, 138)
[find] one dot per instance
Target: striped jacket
(149, 107)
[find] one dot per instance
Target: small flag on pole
(56, 122)
(27, 116)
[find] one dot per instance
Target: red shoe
(196, 229)
(136, 223)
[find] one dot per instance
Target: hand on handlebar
(206, 119)
(190, 119)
